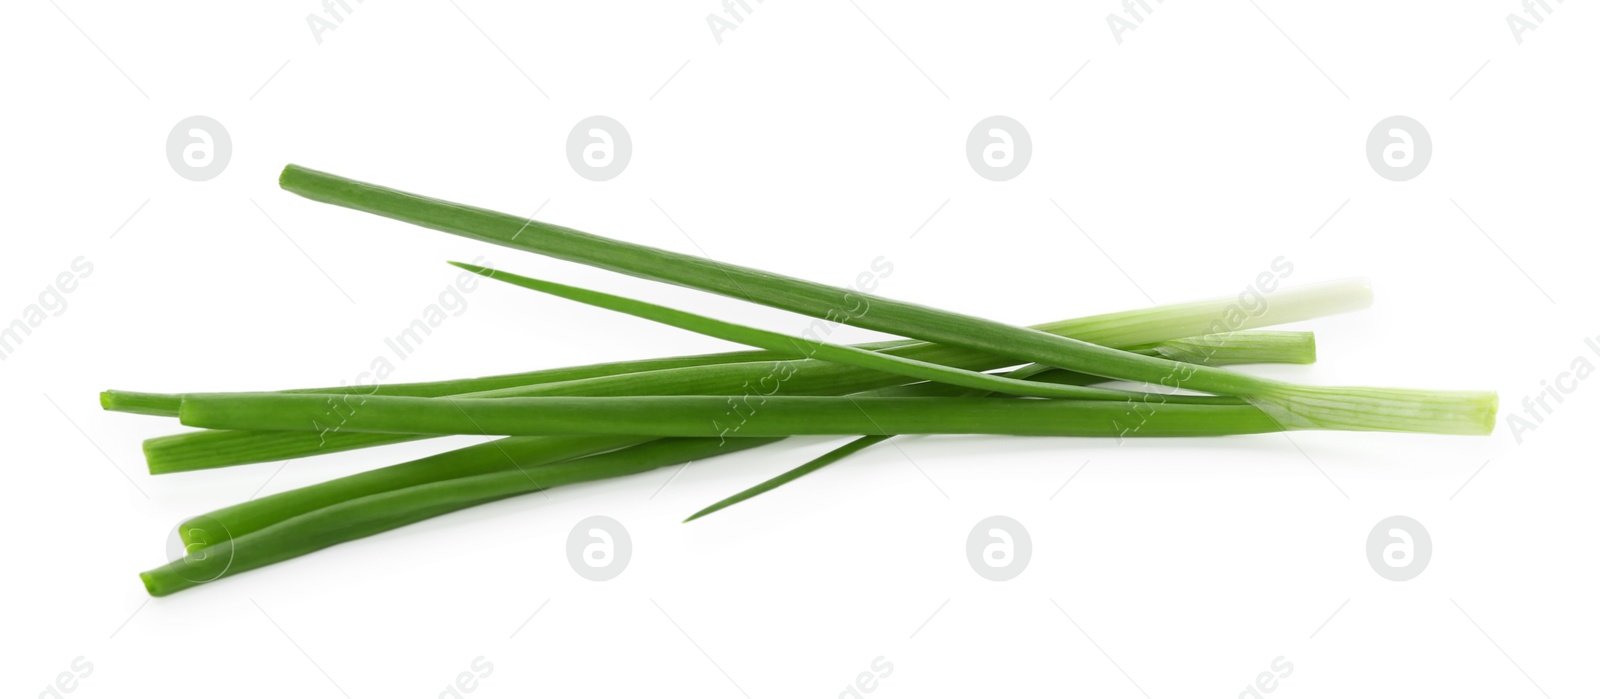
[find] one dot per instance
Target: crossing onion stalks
(801, 348)
(537, 451)
(1150, 331)
(579, 424)
(1293, 406)
(1262, 346)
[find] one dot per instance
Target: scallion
(228, 554)
(1293, 406)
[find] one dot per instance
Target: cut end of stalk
(163, 581)
(159, 404)
(156, 459)
(293, 177)
(1381, 409)
(190, 451)
(153, 584)
(475, 269)
(1361, 293)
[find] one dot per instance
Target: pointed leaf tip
(475, 269)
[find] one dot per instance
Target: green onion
(798, 348)
(522, 455)
(1293, 406)
(1250, 347)
(195, 451)
(704, 416)
(1260, 346)
(1197, 321)
(290, 524)
(213, 533)
(255, 514)
(227, 553)
(786, 477)
(166, 404)
(583, 423)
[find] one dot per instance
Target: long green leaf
(718, 416)
(1294, 406)
(1149, 329)
(800, 348)
(791, 475)
(226, 554)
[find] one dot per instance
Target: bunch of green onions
(954, 374)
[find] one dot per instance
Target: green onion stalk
(1210, 329)
(284, 525)
(1293, 406)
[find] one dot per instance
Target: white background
(812, 139)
